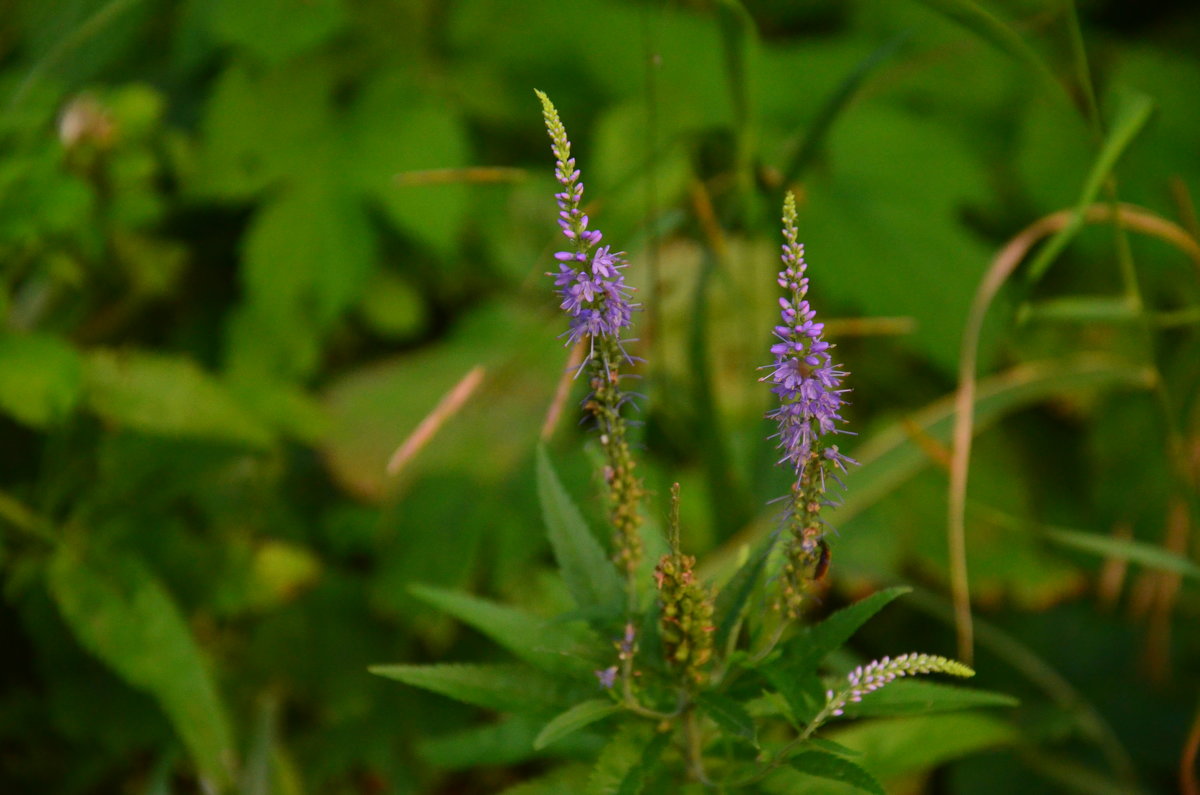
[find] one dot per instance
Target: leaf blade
(577, 717)
(590, 575)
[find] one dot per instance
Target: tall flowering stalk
(809, 387)
(597, 302)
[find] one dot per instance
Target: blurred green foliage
(247, 245)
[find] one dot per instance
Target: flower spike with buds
(869, 678)
(596, 300)
(809, 387)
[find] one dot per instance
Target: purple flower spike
(808, 383)
(591, 285)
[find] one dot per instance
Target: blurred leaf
(1131, 116)
(589, 574)
(167, 396)
(623, 765)
(394, 129)
(902, 746)
(281, 571)
(392, 307)
(1151, 556)
(977, 19)
(577, 717)
(486, 440)
(507, 688)
(505, 742)
(728, 714)
(40, 378)
(262, 128)
(564, 778)
(122, 614)
(914, 698)
(550, 647)
(832, 108)
(823, 765)
(863, 225)
(307, 257)
(276, 29)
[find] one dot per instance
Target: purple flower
(808, 383)
(607, 676)
(590, 283)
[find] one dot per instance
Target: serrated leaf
(553, 647)
(915, 698)
(617, 758)
(807, 649)
(40, 378)
(583, 714)
(121, 613)
(506, 688)
(731, 599)
(396, 130)
(167, 396)
(590, 576)
(728, 714)
(836, 768)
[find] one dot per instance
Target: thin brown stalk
(446, 408)
(1002, 267)
(1188, 782)
(563, 390)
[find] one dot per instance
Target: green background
(246, 246)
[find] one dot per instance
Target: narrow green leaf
(822, 743)
(564, 778)
(808, 648)
(836, 768)
(553, 646)
(1132, 115)
(1081, 309)
(506, 688)
(1148, 555)
(728, 714)
(590, 576)
(122, 614)
(574, 719)
(916, 698)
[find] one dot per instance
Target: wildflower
(589, 279)
(594, 295)
(805, 379)
(809, 387)
(869, 678)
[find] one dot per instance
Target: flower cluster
(589, 278)
(596, 299)
(869, 678)
(807, 382)
(809, 387)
